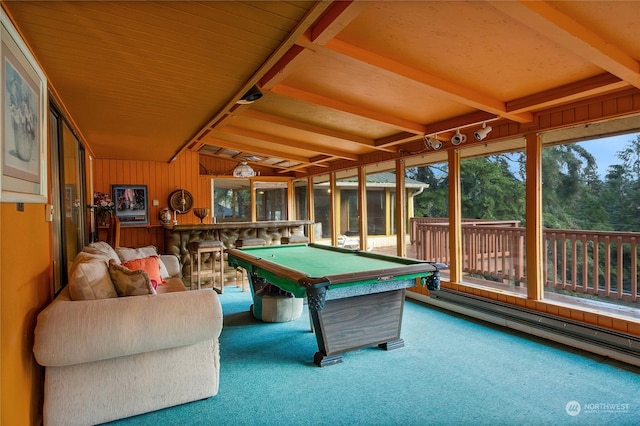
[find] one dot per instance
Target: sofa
(108, 356)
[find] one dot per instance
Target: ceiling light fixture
(252, 95)
(483, 132)
(458, 138)
(243, 170)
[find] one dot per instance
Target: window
(69, 228)
(231, 200)
(591, 220)
(271, 200)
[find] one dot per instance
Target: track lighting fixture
(458, 138)
(252, 95)
(432, 143)
(483, 132)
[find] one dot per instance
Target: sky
(605, 150)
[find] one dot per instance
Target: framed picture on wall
(131, 204)
(23, 115)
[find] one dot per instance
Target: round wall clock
(175, 201)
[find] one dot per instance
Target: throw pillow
(151, 265)
(128, 282)
(102, 249)
(126, 253)
(89, 278)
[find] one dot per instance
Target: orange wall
(26, 287)
(161, 179)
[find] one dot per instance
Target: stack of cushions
(100, 272)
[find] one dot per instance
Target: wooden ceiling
(146, 80)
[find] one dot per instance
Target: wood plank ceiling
(340, 80)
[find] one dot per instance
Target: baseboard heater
(618, 346)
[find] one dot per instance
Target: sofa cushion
(101, 248)
(151, 265)
(126, 254)
(89, 278)
(128, 282)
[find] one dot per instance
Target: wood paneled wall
(161, 179)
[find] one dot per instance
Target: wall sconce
(432, 143)
(483, 132)
(458, 138)
(252, 95)
(243, 170)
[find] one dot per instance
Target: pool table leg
(392, 344)
(323, 360)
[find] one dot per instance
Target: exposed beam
(273, 119)
(450, 89)
(380, 117)
(335, 19)
(544, 18)
(284, 66)
(443, 128)
(261, 137)
(320, 161)
(396, 139)
(590, 87)
(236, 144)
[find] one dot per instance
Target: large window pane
(347, 209)
(271, 200)
(300, 199)
(322, 209)
(493, 214)
(591, 220)
(231, 200)
(428, 212)
(72, 163)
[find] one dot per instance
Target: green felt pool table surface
(294, 267)
(317, 262)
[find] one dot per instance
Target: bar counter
(177, 237)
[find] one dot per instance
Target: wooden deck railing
(603, 264)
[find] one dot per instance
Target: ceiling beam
(380, 117)
(589, 87)
(261, 137)
(335, 19)
(544, 18)
(450, 89)
(443, 128)
(229, 141)
(305, 127)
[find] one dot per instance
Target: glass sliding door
(70, 214)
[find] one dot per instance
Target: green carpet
(452, 371)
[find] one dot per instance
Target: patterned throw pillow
(128, 282)
(151, 265)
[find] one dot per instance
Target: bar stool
(241, 272)
(216, 249)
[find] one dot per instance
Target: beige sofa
(115, 357)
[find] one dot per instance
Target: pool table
(355, 298)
